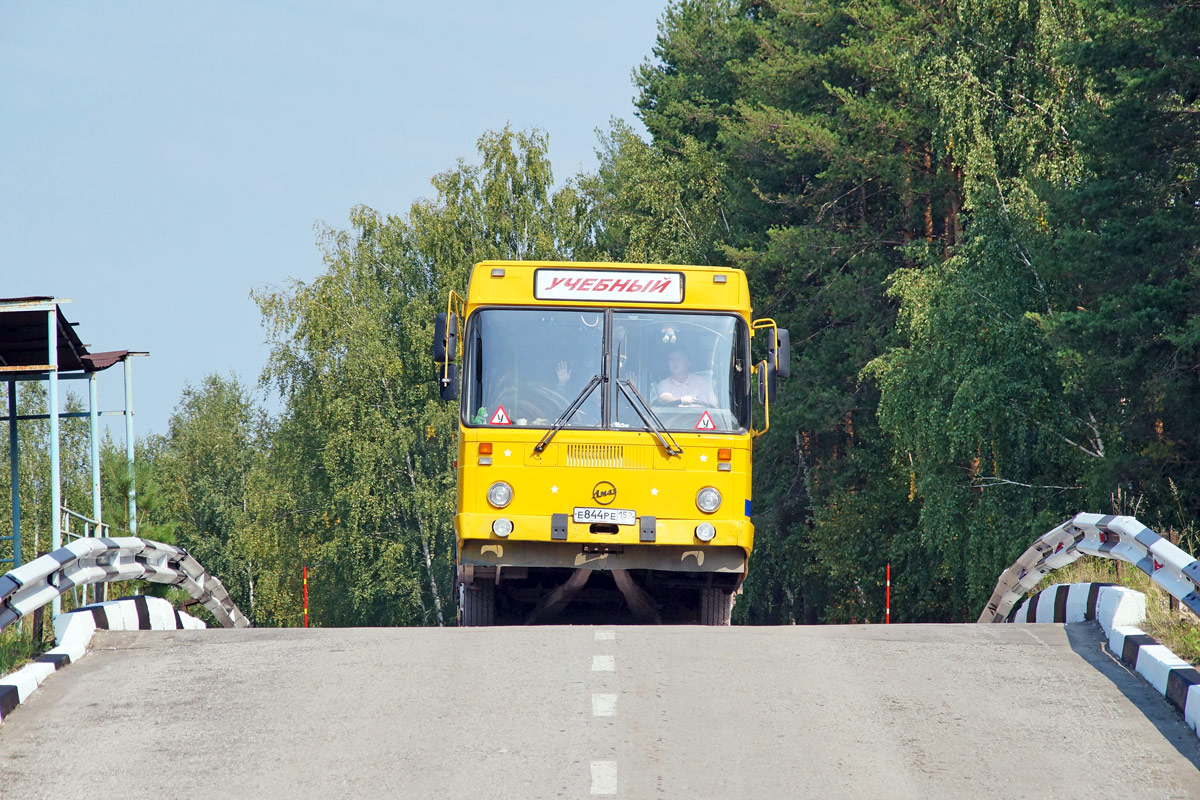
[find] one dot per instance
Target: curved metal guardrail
(1105, 536)
(102, 560)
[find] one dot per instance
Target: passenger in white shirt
(681, 387)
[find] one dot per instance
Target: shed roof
(25, 339)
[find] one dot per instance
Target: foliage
(201, 471)
(655, 207)
(978, 220)
(17, 647)
(33, 468)
(355, 479)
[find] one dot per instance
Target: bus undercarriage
(499, 595)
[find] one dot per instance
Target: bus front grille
(595, 455)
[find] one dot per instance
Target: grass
(1179, 630)
(17, 647)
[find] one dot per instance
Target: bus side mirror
(768, 382)
(781, 355)
(447, 378)
(445, 337)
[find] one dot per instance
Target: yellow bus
(605, 439)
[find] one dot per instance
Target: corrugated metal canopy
(25, 339)
(97, 361)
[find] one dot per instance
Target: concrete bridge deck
(902, 711)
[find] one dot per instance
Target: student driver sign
(608, 286)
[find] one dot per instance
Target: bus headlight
(705, 531)
(708, 499)
(499, 494)
(502, 527)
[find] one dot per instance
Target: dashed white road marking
(604, 705)
(604, 773)
(604, 777)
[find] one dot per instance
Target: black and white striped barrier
(1119, 611)
(1122, 538)
(102, 560)
(73, 633)
(1083, 602)
(1173, 678)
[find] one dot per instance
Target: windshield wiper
(564, 417)
(652, 422)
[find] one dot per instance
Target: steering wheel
(678, 403)
(550, 403)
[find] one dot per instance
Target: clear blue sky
(160, 160)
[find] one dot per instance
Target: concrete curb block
(1171, 676)
(1082, 602)
(73, 632)
(1119, 611)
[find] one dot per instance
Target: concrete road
(1004, 711)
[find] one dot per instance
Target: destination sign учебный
(603, 285)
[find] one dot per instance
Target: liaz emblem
(604, 493)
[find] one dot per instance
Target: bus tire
(479, 604)
(715, 606)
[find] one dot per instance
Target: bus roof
(607, 284)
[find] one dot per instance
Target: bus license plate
(610, 516)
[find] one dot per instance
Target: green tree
(1124, 251)
(216, 437)
(1044, 362)
(654, 206)
(827, 168)
(33, 444)
(978, 220)
(360, 481)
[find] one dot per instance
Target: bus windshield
(690, 368)
(525, 368)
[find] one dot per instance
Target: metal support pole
(14, 472)
(55, 473)
(127, 366)
(94, 442)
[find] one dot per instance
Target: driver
(681, 386)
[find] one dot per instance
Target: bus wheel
(479, 604)
(715, 606)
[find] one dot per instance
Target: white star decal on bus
(553, 490)
(508, 453)
(654, 492)
(702, 457)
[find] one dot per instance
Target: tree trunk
(906, 202)
(433, 588)
(954, 212)
(250, 581)
(928, 196)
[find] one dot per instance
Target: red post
(306, 597)
(887, 609)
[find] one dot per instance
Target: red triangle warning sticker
(500, 417)
(706, 423)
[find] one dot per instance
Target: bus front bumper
(602, 555)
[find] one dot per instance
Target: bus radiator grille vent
(595, 455)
